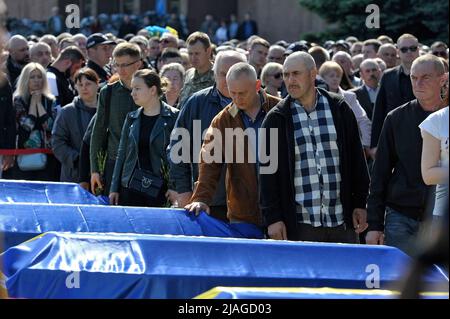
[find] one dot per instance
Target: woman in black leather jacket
(141, 166)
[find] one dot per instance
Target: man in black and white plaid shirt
(319, 191)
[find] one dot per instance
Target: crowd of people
(359, 128)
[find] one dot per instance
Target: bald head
(242, 69)
(223, 62)
(302, 58)
(19, 50)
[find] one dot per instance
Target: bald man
(318, 193)
(201, 108)
(19, 56)
(249, 106)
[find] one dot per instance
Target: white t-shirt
(437, 125)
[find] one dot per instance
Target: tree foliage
(426, 19)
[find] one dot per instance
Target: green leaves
(426, 19)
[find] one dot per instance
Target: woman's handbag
(32, 162)
(146, 182)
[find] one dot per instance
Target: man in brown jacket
(232, 140)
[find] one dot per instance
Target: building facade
(277, 19)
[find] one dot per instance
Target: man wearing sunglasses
(114, 103)
(439, 49)
(395, 86)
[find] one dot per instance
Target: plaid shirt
(317, 177)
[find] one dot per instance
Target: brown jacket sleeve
(211, 162)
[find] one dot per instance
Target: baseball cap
(295, 47)
(97, 38)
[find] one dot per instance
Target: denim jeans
(401, 231)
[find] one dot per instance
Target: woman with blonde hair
(35, 115)
(272, 78)
(331, 72)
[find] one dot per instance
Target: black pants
(107, 175)
(51, 172)
(219, 212)
(339, 234)
(129, 197)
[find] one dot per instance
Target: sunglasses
(165, 41)
(277, 76)
(406, 49)
(125, 65)
(440, 53)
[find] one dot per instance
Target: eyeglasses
(277, 76)
(440, 53)
(125, 65)
(411, 48)
(166, 41)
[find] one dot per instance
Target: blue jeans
(401, 231)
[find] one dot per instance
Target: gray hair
(368, 62)
(173, 67)
(304, 58)
(381, 63)
(437, 63)
(241, 69)
(229, 54)
(35, 47)
(342, 53)
(270, 68)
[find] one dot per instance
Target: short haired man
(201, 75)
(320, 55)
(370, 48)
(168, 40)
(276, 54)
(395, 86)
(388, 53)
(99, 54)
(60, 72)
(249, 106)
(41, 53)
(127, 60)
(367, 93)
(356, 48)
(385, 39)
(19, 56)
(319, 191)
(203, 106)
(52, 42)
(440, 49)
(169, 55)
(257, 54)
(397, 189)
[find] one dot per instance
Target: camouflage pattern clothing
(195, 82)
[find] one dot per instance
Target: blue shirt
(255, 125)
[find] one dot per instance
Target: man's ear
(209, 52)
